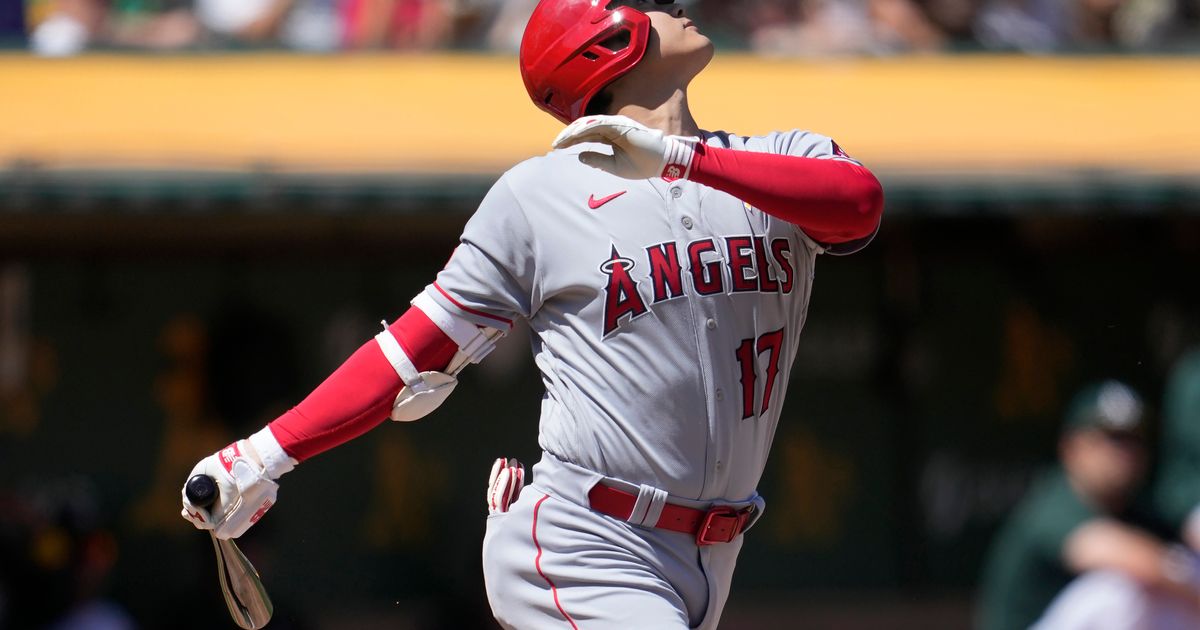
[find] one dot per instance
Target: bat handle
(201, 491)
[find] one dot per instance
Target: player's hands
(504, 484)
(244, 491)
(639, 152)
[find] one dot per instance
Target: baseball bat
(244, 593)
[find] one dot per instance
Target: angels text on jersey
(714, 266)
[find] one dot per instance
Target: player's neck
(667, 111)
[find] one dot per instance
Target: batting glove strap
(274, 459)
(679, 152)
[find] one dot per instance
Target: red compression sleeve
(358, 396)
(833, 201)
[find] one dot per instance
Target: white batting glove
(504, 484)
(639, 152)
(244, 472)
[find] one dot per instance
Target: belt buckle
(721, 525)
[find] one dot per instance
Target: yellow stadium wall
(462, 113)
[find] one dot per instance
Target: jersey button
(720, 394)
(676, 193)
(687, 222)
(719, 464)
(711, 324)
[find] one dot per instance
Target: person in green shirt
(1081, 516)
(1177, 489)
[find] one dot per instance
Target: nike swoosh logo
(595, 203)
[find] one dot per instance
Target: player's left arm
(833, 201)
(832, 197)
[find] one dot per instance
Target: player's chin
(704, 50)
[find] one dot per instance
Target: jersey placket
(683, 207)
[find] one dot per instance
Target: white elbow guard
(425, 391)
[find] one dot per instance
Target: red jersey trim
(507, 322)
(537, 563)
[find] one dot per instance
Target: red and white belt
(718, 524)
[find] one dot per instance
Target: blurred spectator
(311, 25)
(472, 21)
(253, 21)
(841, 27)
(508, 24)
(67, 27)
(1082, 517)
(1035, 26)
(55, 559)
(396, 24)
(1113, 601)
(1147, 24)
(1043, 26)
(773, 27)
(955, 19)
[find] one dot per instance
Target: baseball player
(665, 273)
(1083, 521)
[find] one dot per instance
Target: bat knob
(201, 490)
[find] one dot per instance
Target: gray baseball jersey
(665, 318)
(665, 315)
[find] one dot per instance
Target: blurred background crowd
(817, 28)
(995, 412)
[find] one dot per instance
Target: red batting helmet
(572, 49)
